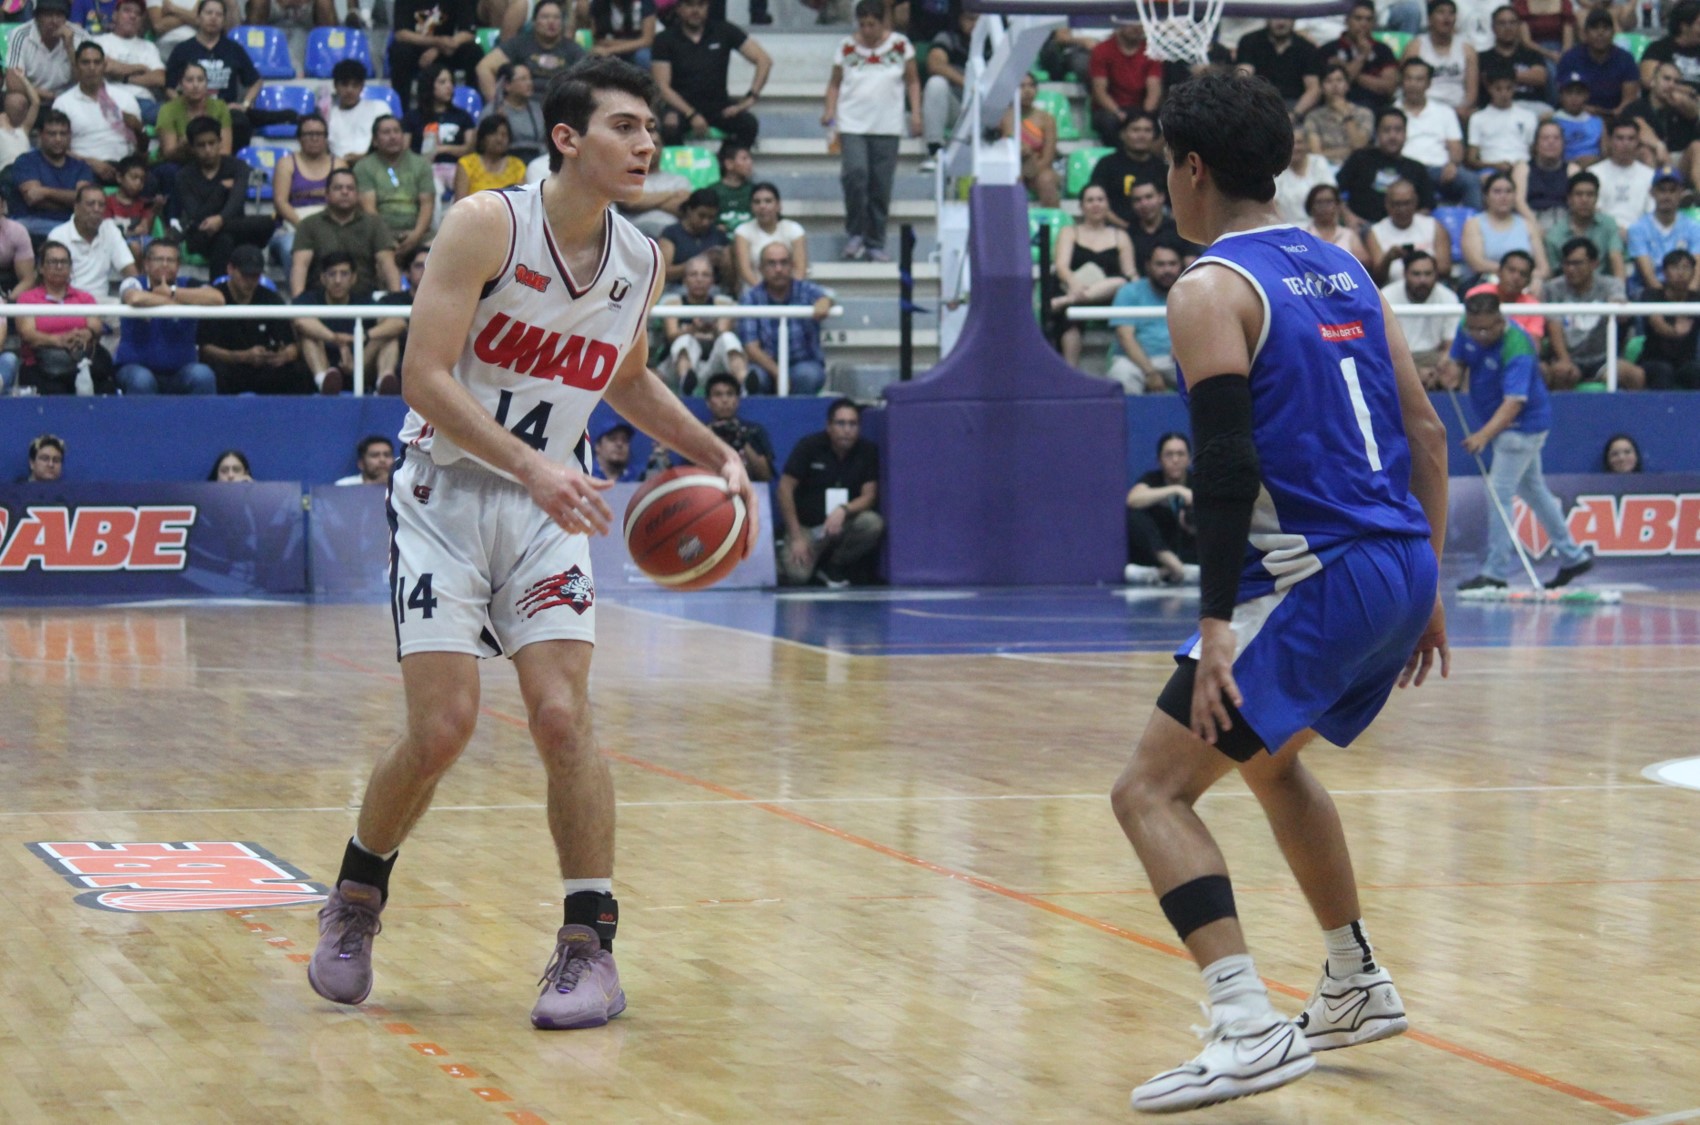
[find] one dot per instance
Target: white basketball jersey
(543, 347)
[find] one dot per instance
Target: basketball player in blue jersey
(492, 503)
(1319, 497)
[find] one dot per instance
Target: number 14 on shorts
(420, 598)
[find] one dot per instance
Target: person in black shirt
(1667, 113)
(431, 32)
(207, 199)
(1138, 161)
(689, 63)
(1509, 55)
(1367, 174)
(1153, 227)
(749, 439)
(1160, 534)
(327, 345)
(1291, 64)
(1680, 46)
(828, 494)
(1669, 357)
(436, 128)
(1369, 63)
(258, 356)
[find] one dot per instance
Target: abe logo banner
(147, 537)
(1631, 526)
(148, 878)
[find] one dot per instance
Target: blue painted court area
(927, 622)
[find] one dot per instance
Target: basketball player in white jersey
(533, 309)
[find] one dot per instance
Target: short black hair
(50, 244)
(1622, 121)
(343, 171)
(1682, 13)
(86, 187)
(1579, 243)
(1482, 304)
(349, 70)
(1493, 15)
(369, 441)
(729, 148)
(305, 117)
(1413, 256)
(52, 117)
(212, 474)
(701, 197)
(1433, 5)
(572, 95)
(839, 404)
(1238, 126)
(1675, 256)
(200, 127)
(870, 10)
(89, 45)
(1598, 18)
(1310, 196)
(1385, 112)
(722, 379)
(1414, 62)
(379, 122)
(1356, 4)
(1579, 179)
(1528, 259)
(134, 160)
(45, 440)
(170, 244)
(333, 258)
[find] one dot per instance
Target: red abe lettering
(148, 537)
(526, 349)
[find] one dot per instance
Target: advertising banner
(1616, 516)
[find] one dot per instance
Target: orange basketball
(685, 529)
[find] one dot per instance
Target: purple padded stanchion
(1004, 466)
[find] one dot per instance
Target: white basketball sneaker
(1357, 1009)
(1240, 1057)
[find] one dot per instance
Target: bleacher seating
(1080, 165)
(268, 47)
(1453, 220)
(1635, 42)
(487, 38)
(263, 160)
(469, 100)
(6, 30)
(279, 97)
(1039, 217)
(1055, 103)
(327, 46)
(382, 94)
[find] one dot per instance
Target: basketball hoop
(1185, 34)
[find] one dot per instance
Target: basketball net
(1185, 34)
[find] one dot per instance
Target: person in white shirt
(1429, 337)
(133, 64)
(1292, 186)
(1502, 134)
(1391, 240)
(1626, 184)
(871, 72)
(98, 249)
(376, 457)
(352, 115)
(768, 226)
(1434, 138)
(105, 122)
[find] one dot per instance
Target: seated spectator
(47, 177)
(1551, 29)
(157, 355)
(21, 110)
(1543, 179)
(1147, 361)
(1626, 184)
(327, 346)
(1511, 56)
(133, 63)
(299, 181)
(696, 235)
(1429, 337)
(1404, 229)
(545, 50)
(1608, 70)
(701, 346)
(1667, 118)
(170, 23)
(1516, 271)
(689, 62)
(61, 354)
(1578, 341)
(1490, 235)
(1093, 261)
(1066, 56)
(1660, 231)
(828, 496)
(1338, 125)
(1621, 455)
(489, 166)
(105, 120)
(1286, 61)
(258, 355)
(623, 27)
(231, 467)
(1679, 47)
(761, 336)
(375, 457)
(1038, 146)
(1137, 160)
(351, 115)
(1292, 187)
(1124, 79)
(208, 200)
(1669, 356)
(194, 99)
(1322, 206)
(1582, 220)
(748, 439)
(429, 33)
(1369, 172)
(344, 226)
(1584, 132)
(99, 251)
(397, 186)
(768, 225)
(46, 459)
(389, 335)
(231, 76)
(1433, 136)
(1454, 69)
(664, 193)
(1152, 226)
(17, 256)
(613, 455)
(1372, 73)
(39, 52)
(515, 103)
(437, 128)
(1161, 540)
(1502, 134)
(131, 206)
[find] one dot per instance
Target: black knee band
(1199, 903)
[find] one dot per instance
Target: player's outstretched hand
(1430, 645)
(569, 497)
(737, 478)
(1214, 682)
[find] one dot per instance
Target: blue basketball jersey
(1330, 436)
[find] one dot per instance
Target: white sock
(1235, 991)
(570, 887)
(319, 379)
(381, 855)
(1349, 952)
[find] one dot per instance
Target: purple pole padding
(1003, 465)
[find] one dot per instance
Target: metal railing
(784, 314)
(1610, 310)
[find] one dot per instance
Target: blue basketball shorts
(1325, 653)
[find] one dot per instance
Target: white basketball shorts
(476, 567)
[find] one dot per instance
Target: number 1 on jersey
(1354, 388)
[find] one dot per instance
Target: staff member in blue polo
(1506, 388)
(160, 354)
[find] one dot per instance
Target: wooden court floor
(853, 888)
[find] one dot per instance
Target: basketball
(685, 529)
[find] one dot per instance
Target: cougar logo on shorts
(530, 278)
(422, 493)
(572, 588)
(146, 878)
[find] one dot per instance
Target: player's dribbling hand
(569, 497)
(1430, 645)
(1214, 682)
(737, 478)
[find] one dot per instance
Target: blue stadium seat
(327, 46)
(470, 100)
(298, 98)
(268, 47)
(263, 160)
(382, 94)
(1453, 219)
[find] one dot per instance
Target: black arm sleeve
(1225, 484)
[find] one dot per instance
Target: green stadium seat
(1395, 40)
(1080, 165)
(698, 165)
(1052, 217)
(1632, 350)
(487, 38)
(1635, 42)
(6, 30)
(1055, 103)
